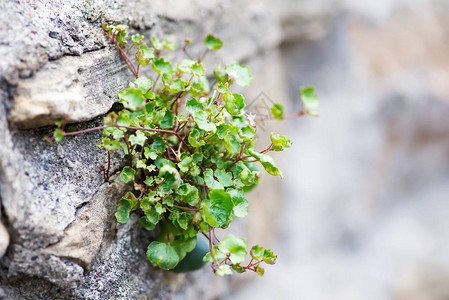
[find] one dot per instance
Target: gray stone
(59, 212)
(80, 87)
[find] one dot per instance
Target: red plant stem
(211, 248)
(213, 231)
(128, 61)
(109, 166)
(133, 128)
(292, 116)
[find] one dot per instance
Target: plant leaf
(310, 101)
(212, 42)
(162, 255)
(127, 174)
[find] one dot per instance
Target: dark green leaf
(162, 255)
(184, 219)
(189, 194)
(167, 120)
(213, 43)
(195, 138)
(159, 145)
(220, 206)
(145, 222)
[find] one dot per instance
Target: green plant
(189, 152)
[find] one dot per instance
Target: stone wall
(58, 235)
(364, 208)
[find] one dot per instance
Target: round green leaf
(162, 255)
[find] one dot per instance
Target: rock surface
(62, 241)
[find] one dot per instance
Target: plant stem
(133, 128)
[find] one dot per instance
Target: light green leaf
(185, 163)
(161, 66)
(232, 143)
(58, 134)
(266, 161)
(239, 201)
(247, 132)
(137, 39)
(200, 118)
(277, 111)
(197, 69)
(223, 270)
(207, 216)
(110, 145)
(310, 101)
(138, 138)
(127, 174)
(220, 73)
(185, 66)
(280, 142)
(150, 153)
(132, 98)
(144, 55)
(211, 182)
(193, 106)
(239, 73)
(235, 246)
(195, 138)
(256, 252)
(143, 83)
(224, 177)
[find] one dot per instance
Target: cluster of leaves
(189, 150)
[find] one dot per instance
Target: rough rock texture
(61, 239)
(364, 207)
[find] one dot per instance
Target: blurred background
(363, 210)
